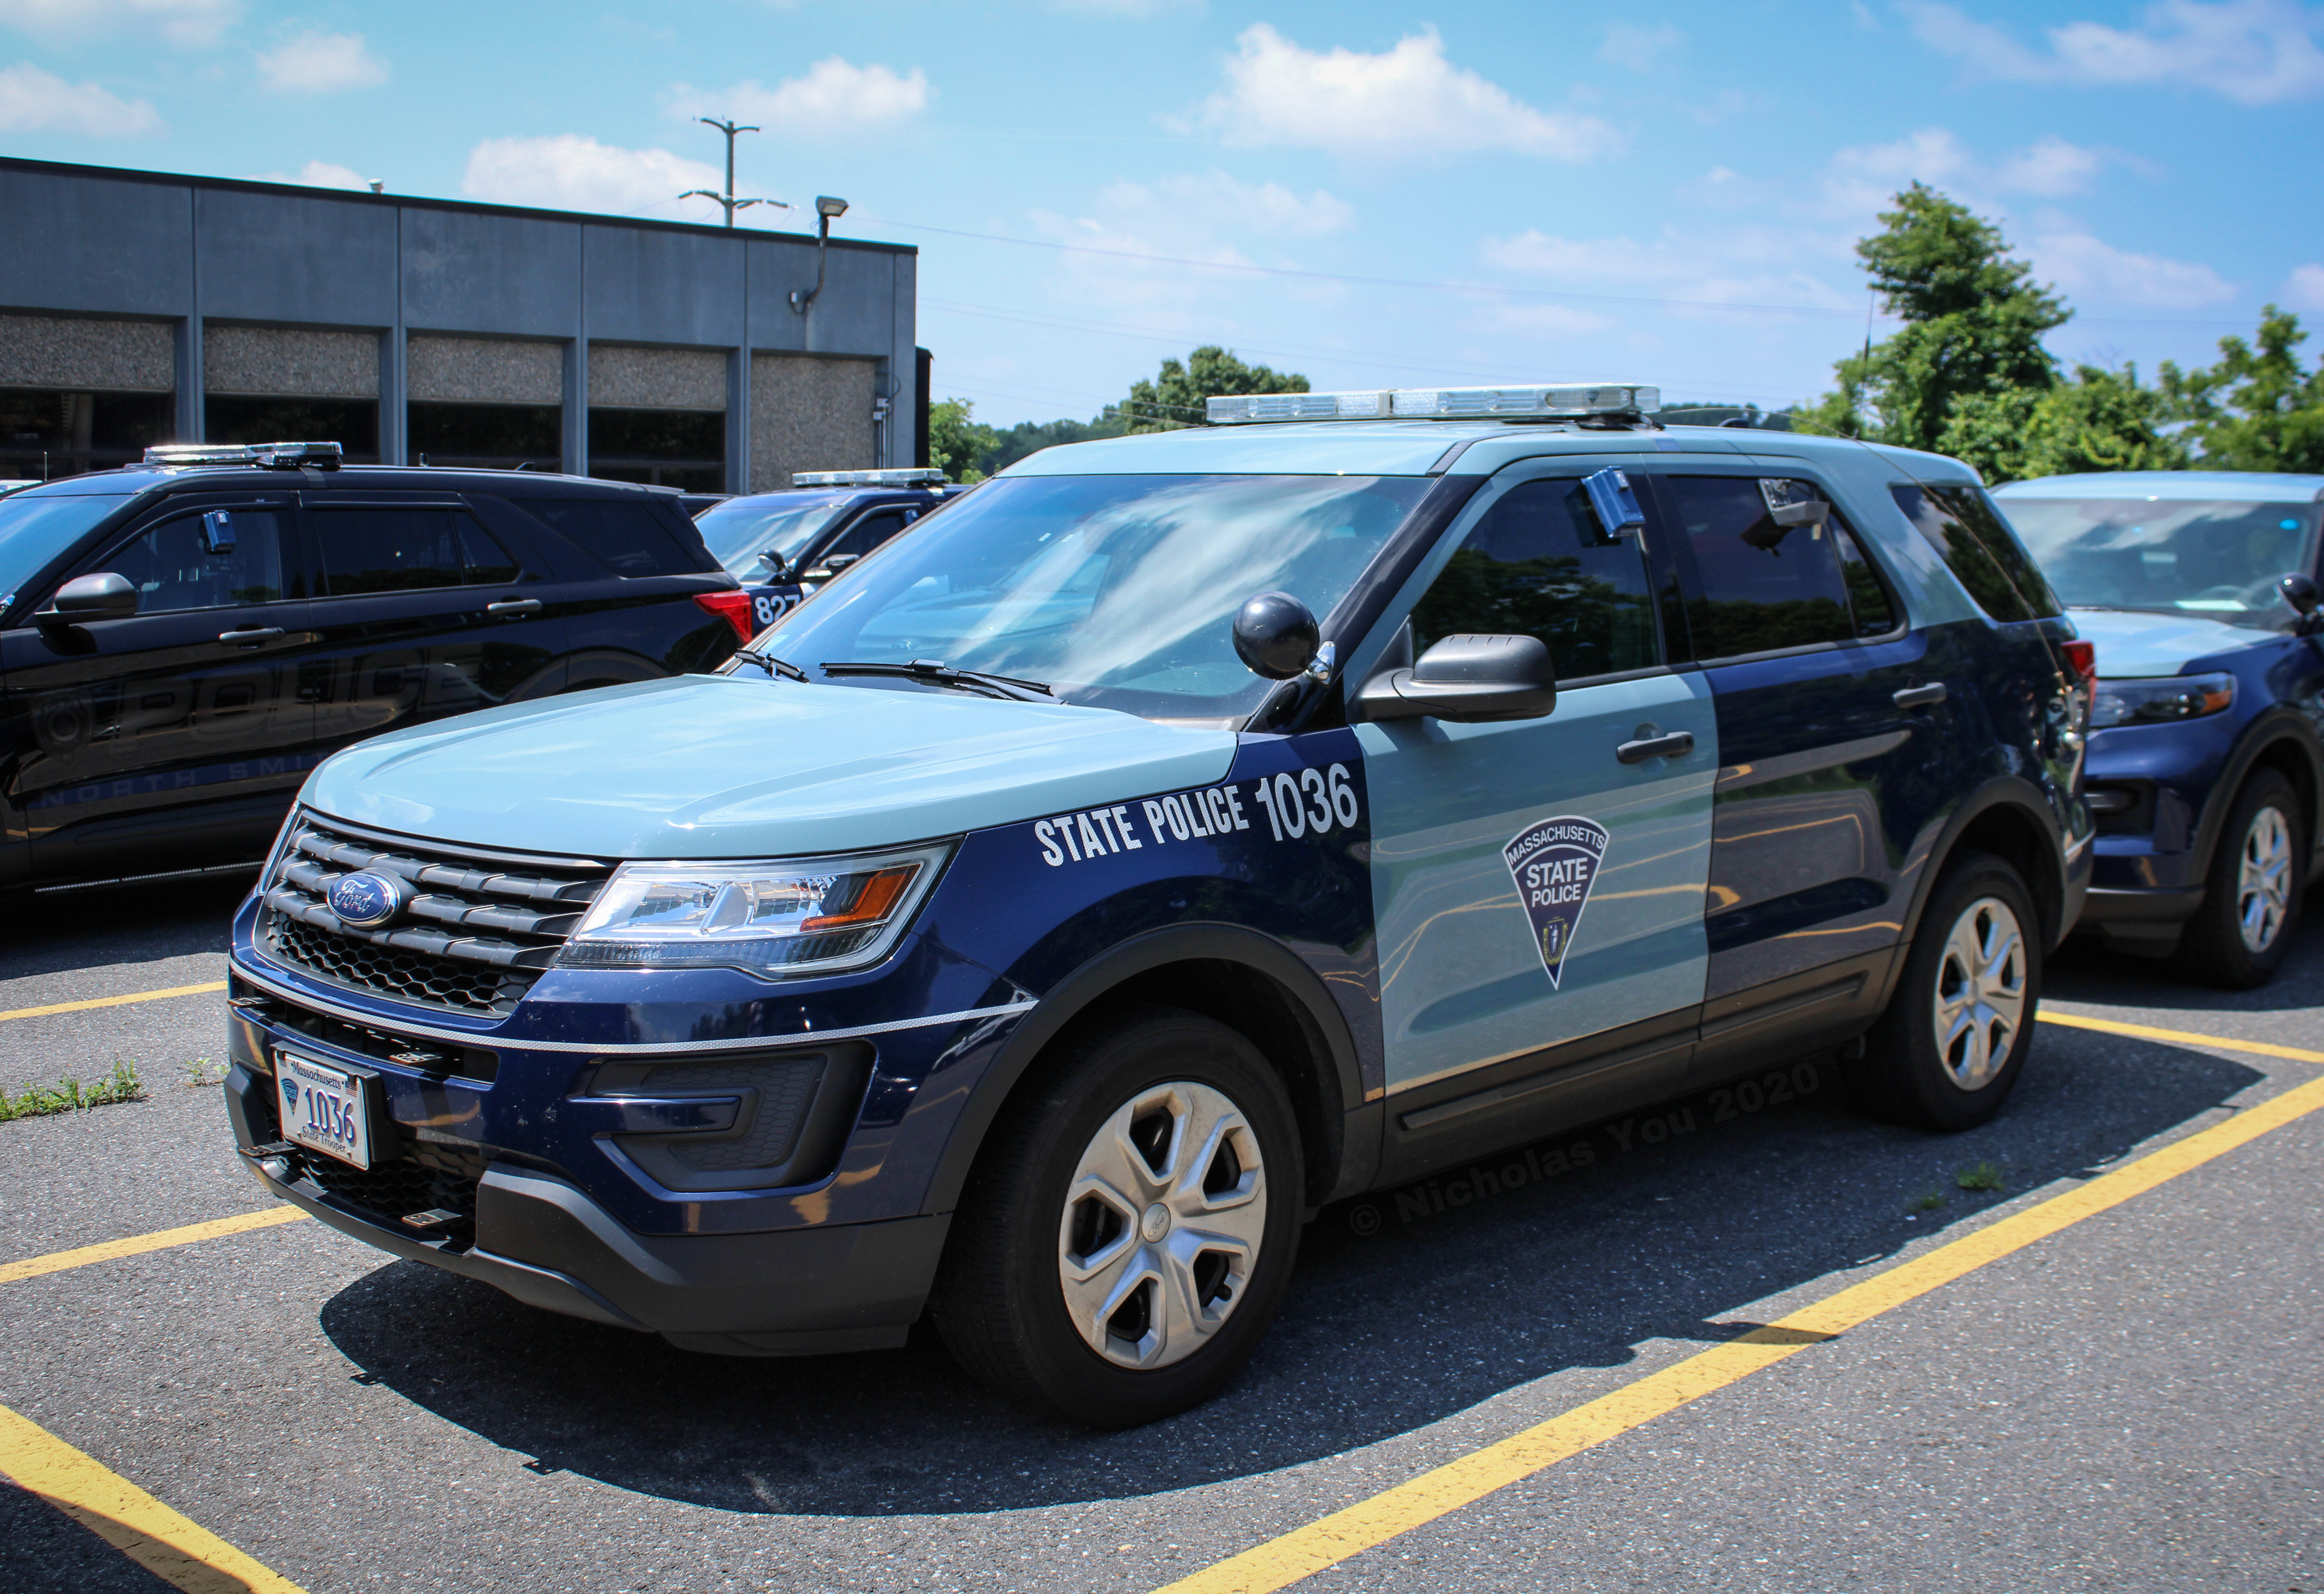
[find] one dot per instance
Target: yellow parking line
(170, 1546)
(112, 1001)
(136, 1244)
(1282, 1562)
(2184, 1037)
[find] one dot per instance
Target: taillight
(734, 609)
(2084, 658)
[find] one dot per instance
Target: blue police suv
(2198, 589)
(783, 545)
(1178, 834)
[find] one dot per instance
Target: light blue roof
(1414, 448)
(2250, 487)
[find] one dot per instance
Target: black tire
(1906, 1073)
(2213, 947)
(1001, 1300)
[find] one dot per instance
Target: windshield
(2220, 557)
(741, 528)
(1119, 591)
(35, 530)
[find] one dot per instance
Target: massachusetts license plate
(323, 1108)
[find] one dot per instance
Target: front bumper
(855, 1286)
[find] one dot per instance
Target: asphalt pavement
(2129, 1404)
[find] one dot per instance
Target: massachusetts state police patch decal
(1553, 863)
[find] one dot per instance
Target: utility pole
(727, 199)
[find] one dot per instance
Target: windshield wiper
(773, 665)
(937, 672)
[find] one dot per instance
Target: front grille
(480, 928)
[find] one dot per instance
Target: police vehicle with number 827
(1183, 832)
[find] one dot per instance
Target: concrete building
(139, 307)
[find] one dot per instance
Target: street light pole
(727, 201)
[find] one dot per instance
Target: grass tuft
(201, 1071)
(70, 1094)
(1978, 1175)
(1928, 1201)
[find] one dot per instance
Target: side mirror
(1468, 678)
(1275, 636)
(2301, 591)
(838, 562)
(776, 565)
(85, 598)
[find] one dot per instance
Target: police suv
(783, 545)
(1180, 833)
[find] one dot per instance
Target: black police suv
(182, 640)
(782, 546)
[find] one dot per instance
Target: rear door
(633, 565)
(1538, 891)
(420, 613)
(173, 738)
(1831, 757)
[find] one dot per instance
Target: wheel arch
(2282, 740)
(2010, 818)
(1251, 982)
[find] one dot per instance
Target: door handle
(1677, 744)
(250, 636)
(513, 608)
(1927, 697)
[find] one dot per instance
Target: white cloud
(2049, 167)
(1407, 100)
(2253, 51)
(1627, 44)
(2304, 289)
(834, 98)
(1215, 202)
(317, 174)
(2087, 268)
(566, 171)
(1862, 180)
(1746, 267)
(193, 22)
(321, 63)
(34, 101)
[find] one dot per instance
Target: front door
(1829, 784)
(173, 738)
(1532, 887)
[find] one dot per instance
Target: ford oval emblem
(364, 900)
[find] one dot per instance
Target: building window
(683, 449)
(50, 432)
(352, 423)
(486, 437)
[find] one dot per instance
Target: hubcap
(1162, 1225)
(1980, 999)
(2263, 883)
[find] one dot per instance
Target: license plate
(323, 1108)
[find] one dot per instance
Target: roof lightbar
(271, 455)
(1440, 403)
(925, 476)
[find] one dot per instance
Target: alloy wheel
(1162, 1224)
(2264, 882)
(1981, 997)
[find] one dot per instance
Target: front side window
(406, 548)
(1539, 564)
(1118, 592)
(1765, 584)
(219, 558)
(36, 528)
(866, 534)
(2205, 556)
(742, 530)
(1976, 543)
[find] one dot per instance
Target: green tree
(1174, 397)
(2256, 409)
(956, 440)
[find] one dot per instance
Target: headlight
(2161, 700)
(783, 919)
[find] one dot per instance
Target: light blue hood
(2131, 643)
(738, 767)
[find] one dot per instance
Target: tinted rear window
(628, 538)
(1977, 546)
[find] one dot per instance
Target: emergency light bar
(274, 455)
(910, 476)
(1439, 403)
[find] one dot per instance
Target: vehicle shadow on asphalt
(134, 923)
(1407, 1306)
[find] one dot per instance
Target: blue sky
(1371, 194)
